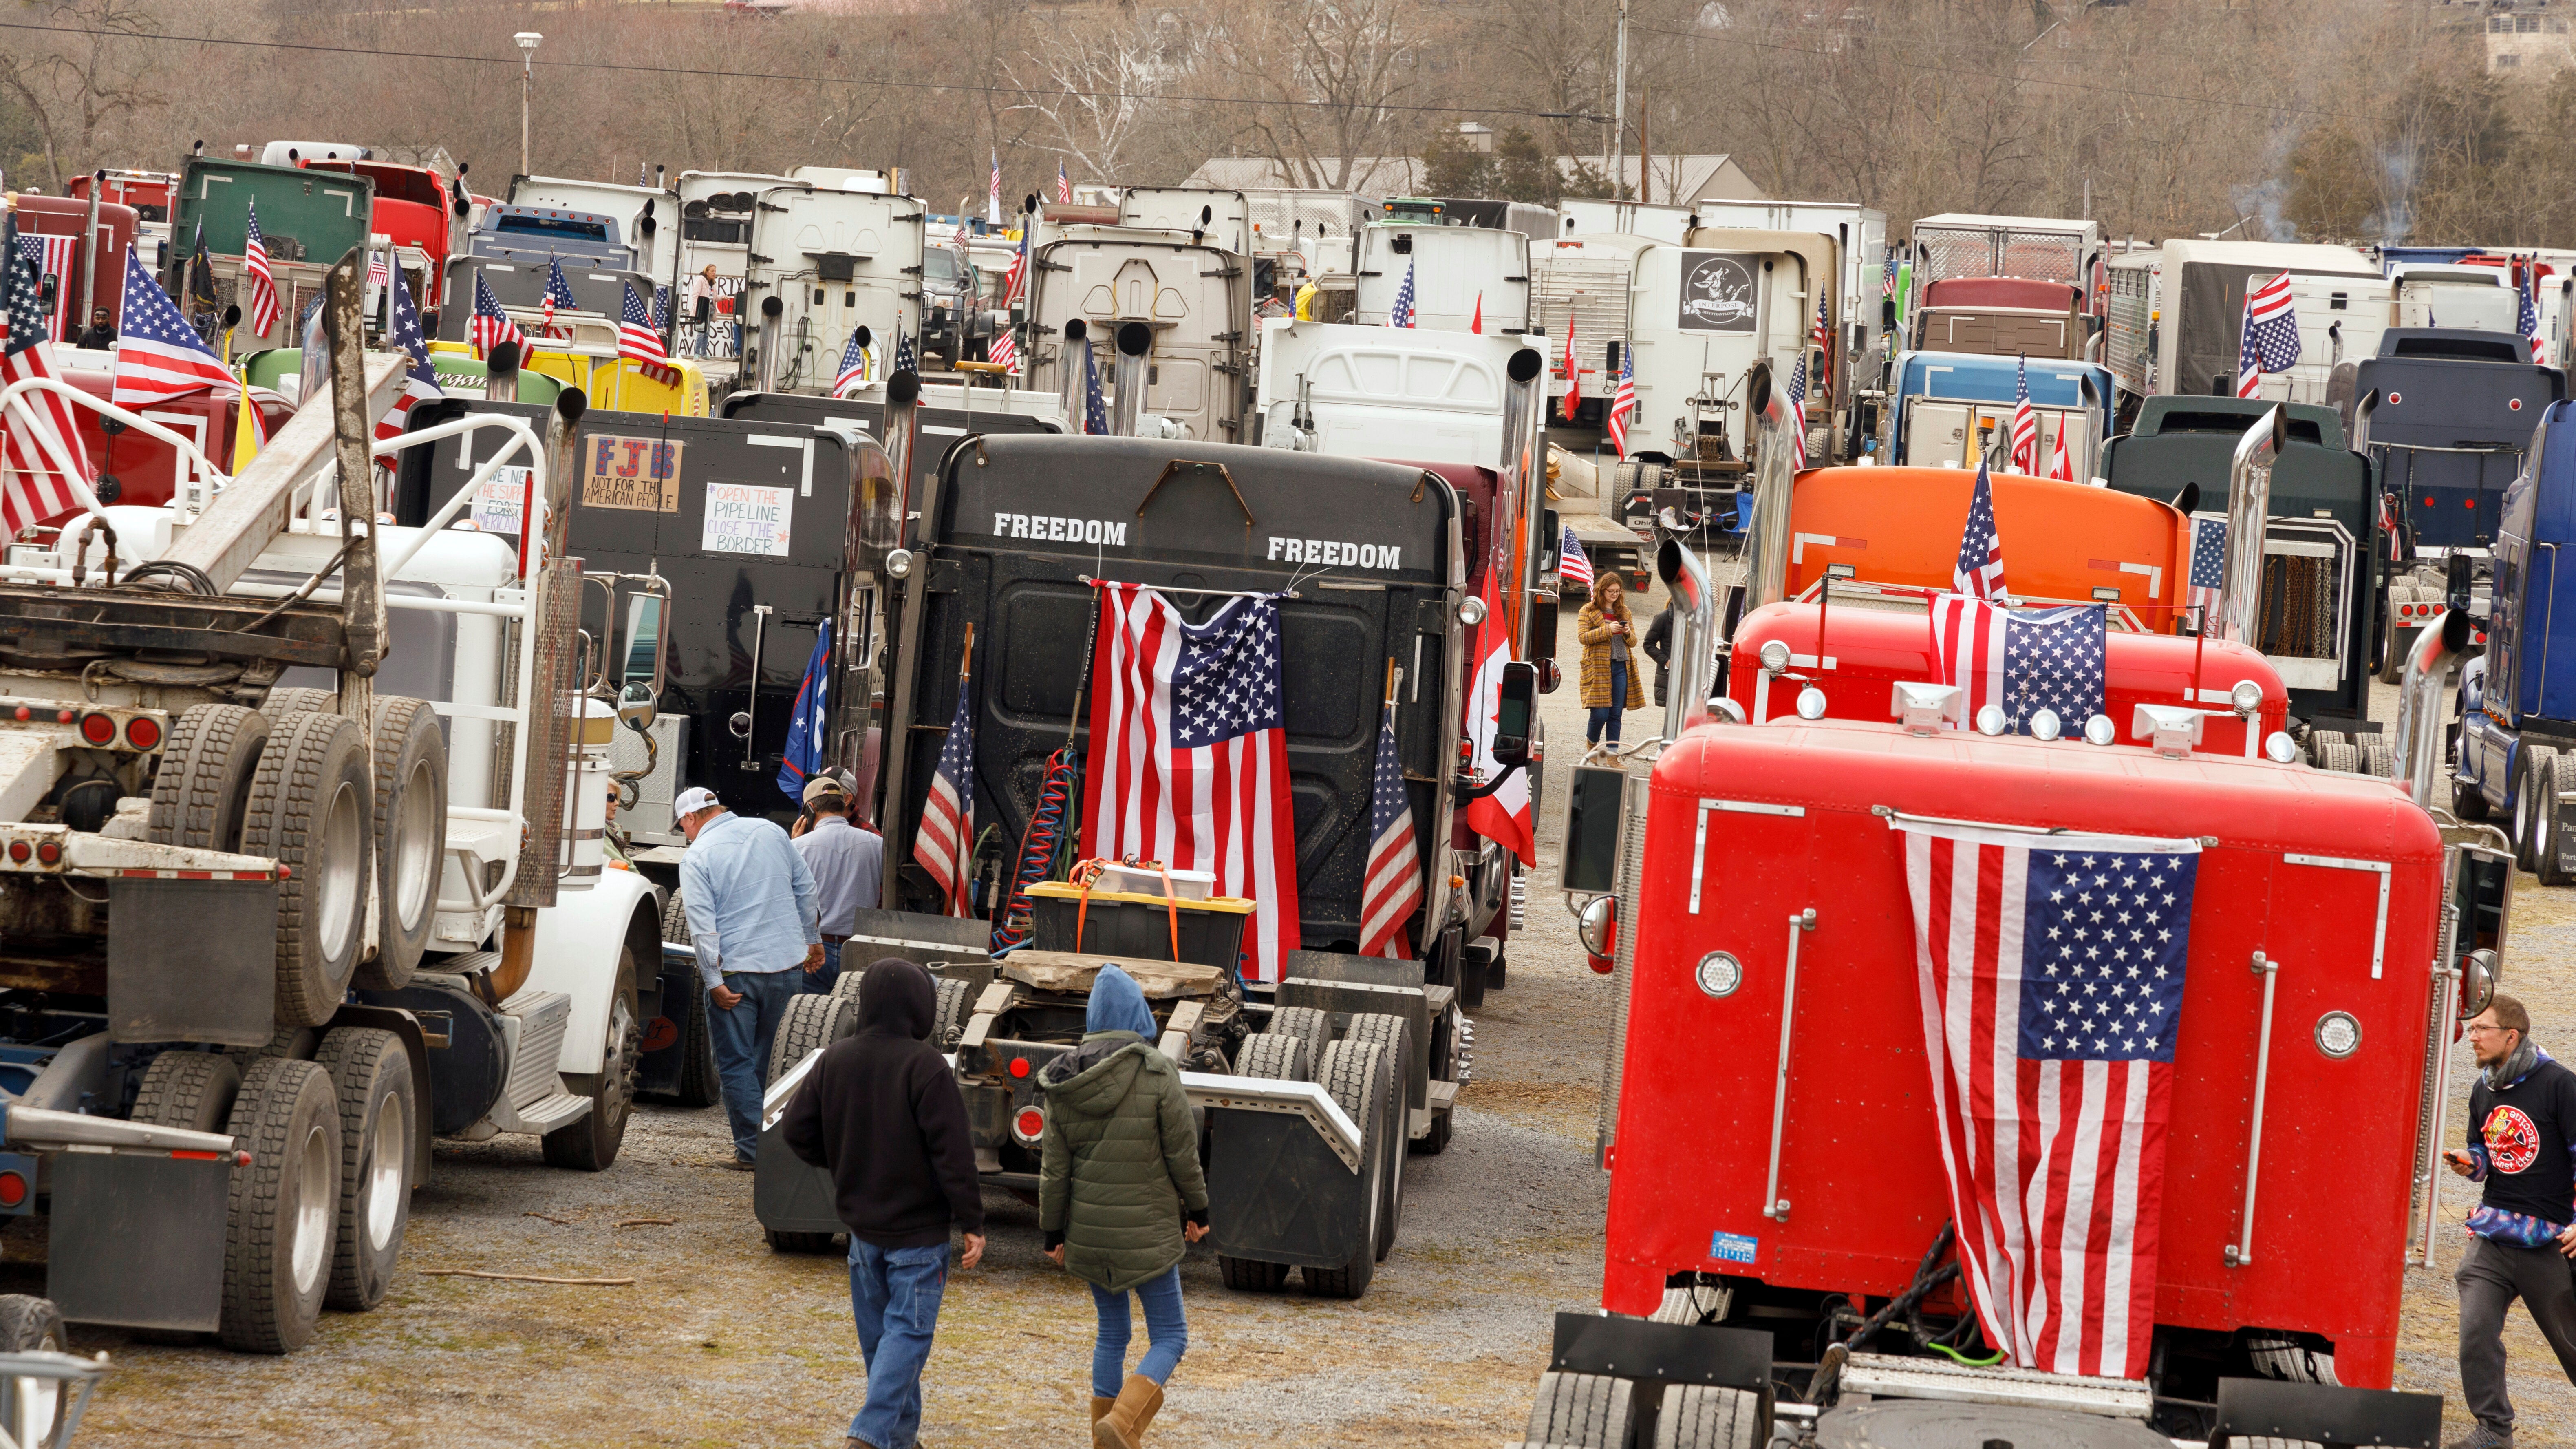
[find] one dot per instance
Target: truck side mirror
(643, 666)
(1516, 707)
(2481, 902)
(635, 707)
(1596, 814)
(2457, 584)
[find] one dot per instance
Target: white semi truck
(271, 925)
(2177, 316)
(824, 261)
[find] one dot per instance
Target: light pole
(528, 41)
(1619, 112)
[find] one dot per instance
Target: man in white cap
(751, 908)
(848, 865)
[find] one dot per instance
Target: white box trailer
(1585, 217)
(1585, 283)
(2177, 316)
(1222, 218)
(824, 262)
(1454, 270)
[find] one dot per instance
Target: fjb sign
(623, 472)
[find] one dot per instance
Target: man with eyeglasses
(2522, 1113)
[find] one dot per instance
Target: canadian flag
(1505, 817)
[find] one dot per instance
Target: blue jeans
(742, 1038)
(1167, 1333)
(1608, 716)
(894, 1297)
(821, 982)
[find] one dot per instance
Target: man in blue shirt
(847, 863)
(751, 908)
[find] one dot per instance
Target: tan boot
(1123, 1427)
(1100, 1408)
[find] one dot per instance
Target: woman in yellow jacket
(1609, 679)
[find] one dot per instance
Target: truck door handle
(1774, 1206)
(2241, 1252)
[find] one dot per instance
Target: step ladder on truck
(265, 944)
(1795, 1282)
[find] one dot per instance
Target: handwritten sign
(623, 472)
(498, 503)
(743, 518)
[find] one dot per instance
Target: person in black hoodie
(2522, 1145)
(881, 1111)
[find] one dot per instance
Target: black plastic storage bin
(1139, 926)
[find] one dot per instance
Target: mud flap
(192, 960)
(1653, 1355)
(789, 1194)
(1278, 1191)
(2325, 1414)
(138, 1241)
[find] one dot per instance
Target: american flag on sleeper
(1189, 755)
(558, 297)
(636, 339)
(2050, 973)
(1573, 566)
(158, 355)
(2271, 339)
(420, 380)
(2208, 567)
(1623, 403)
(44, 467)
(2025, 421)
(491, 326)
(1980, 570)
(263, 282)
(1401, 314)
(1391, 886)
(945, 846)
(2021, 660)
(52, 257)
(854, 365)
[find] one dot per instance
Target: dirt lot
(721, 1343)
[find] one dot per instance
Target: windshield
(553, 226)
(939, 264)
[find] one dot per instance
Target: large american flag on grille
(158, 355)
(1980, 569)
(1573, 566)
(420, 379)
(2271, 340)
(1401, 314)
(52, 257)
(2208, 577)
(945, 845)
(1189, 755)
(1623, 403)
(264, 309)
(1391, 888)
(636, 339)
(2050, 973)
(2021, 660)
(2025, 421)
(44, 466)
(491, 326)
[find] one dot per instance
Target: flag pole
(966, 657)
(1390, 681)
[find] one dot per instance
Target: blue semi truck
(2517, 745)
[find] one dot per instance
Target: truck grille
(1592, 292)
(2298, 615)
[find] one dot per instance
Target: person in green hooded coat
(1121, 1196)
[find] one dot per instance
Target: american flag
(854, 365)
(1824, 339)
(2070, 952)
(491, 326)
(52, 257)
(1798, 413)
(44, 467)
(1573, 372)
(2271, 340)
(420, 380)
(2021, 660)
(2526, 317)
(1391, 887)
(946, 845)
(377, 268)
(158, 355)
(905, 360)
(1623, 403)
(1063, 186)
(2208, 568)
(1402, 313)
(636, 339)
(263, 282)
(1189, 755)
(1005, 349)
(1573, 566)
(1887, 281)
(558, 294)
(1095, 405)
(2025, 421)
(993, 193)
(1980, 570)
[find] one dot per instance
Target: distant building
(2523, 37)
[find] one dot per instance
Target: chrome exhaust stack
(1070, 372)
(1135, 340)
(1694, 636)
(2424, 707)
(902, 403)
(1523, 402)
(2249, 512)
(1766, 542)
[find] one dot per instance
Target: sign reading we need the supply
(746, 518)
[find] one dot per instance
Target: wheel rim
(339, 886)
(417, 837)
(616, 1065)
(316, 1164)
(388, 1154)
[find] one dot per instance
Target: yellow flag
(250, 431)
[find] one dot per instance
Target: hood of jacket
(896, 999)
(1118, 1004)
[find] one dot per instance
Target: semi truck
(89, 272)
(2037, 248)
(1192, 301)
(306, 220)
(1955, 410)
(825, 261)
(2003, 317)
(424, 215)
(277, 927)
(642, 216)
(2513, 761)
(1456, 272)
(1583, 285)
(2176, 318)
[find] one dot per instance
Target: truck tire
(379, 1103)
(1354, 1072)
(2467, 801)
(1700, 1416)
(2341, 758)
(29, 1324)
(410, 768)
(202, 790)
(2379, 760)
(282, 1208)
(948, 1020)
(311, 809)
(2545, 786)
(1274, 1057)
(675, 920)
(1314, 1027)
(2525, 800)
(194, 1090)
(1393, 1037)
(1582, 1411)
(1251, 1275)
(282, 704)
(698, 1084)
(590, 1144)
(812, 1021)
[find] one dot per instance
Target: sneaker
(2482, 1437)
(743, 1164)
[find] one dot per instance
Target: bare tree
(82, 75)
(1099, 89)
(1321, 83)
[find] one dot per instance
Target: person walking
(1658, 646)
(881, 1112)
(702, 307)
(750, 904)
(2522, 1146)
(1120, 1196)
(1609, 677)
(848, 865)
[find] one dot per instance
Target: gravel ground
(721, 1343)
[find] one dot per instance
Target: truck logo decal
(1331, 551)
(2513, 1143)
(1717, 292)
(1059, 530)
(747, 518)
(638, 473)
(1733, 1247)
